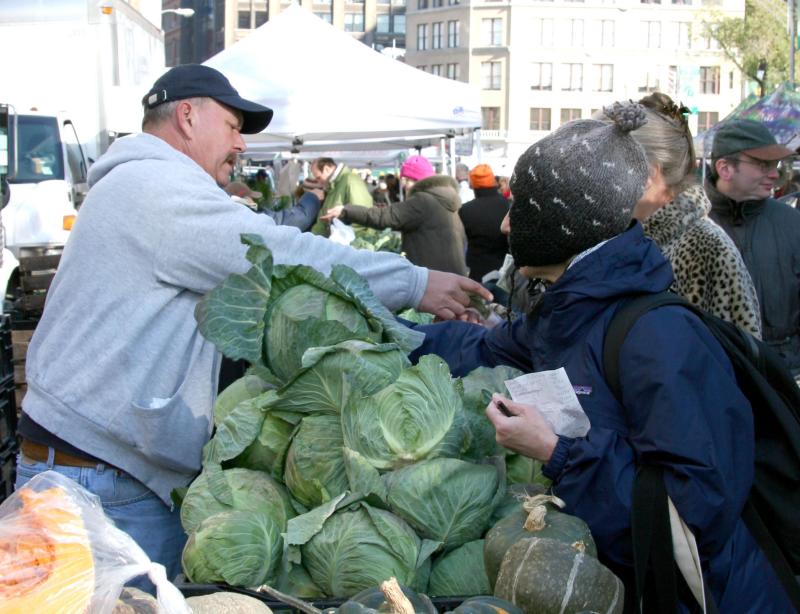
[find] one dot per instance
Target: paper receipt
(552, 394)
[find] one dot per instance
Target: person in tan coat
(433, 235)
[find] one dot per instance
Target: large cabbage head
(242, 548)
(360, 548)
(307, 316)
(330, 374)
(446, 499)
(234, 489)
(417, 417)
(315, 470)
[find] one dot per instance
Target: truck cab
(46, 187)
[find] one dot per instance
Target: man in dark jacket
(744, 169)
(428, 217)
(486, 244)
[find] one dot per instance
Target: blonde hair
(666, 140)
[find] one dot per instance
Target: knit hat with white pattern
(577, 187)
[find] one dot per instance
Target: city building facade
(541, 63)
(218, 24)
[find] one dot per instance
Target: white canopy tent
(331, 92)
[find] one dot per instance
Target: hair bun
(627, 116)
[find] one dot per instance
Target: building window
(436, 3)
(650, 1)
(436, 69)
(576, 32)
(540, 119)
(672, 81)
(452, 34)
(324, 16)
(709, 79)
(606, 33)
(422, 67)
(709, 42)
(354, 22)
(399, 22)
(453, 71)
(730, 80)
(650, 82)
(573, 77)
(567, 115)
(706, 119)
(678, 35)
(422, 36)
(384, 1)
(382, 23)
(604, 77)
(492, 32)
(542, 32)
(453, 2)
(261, 18)
(490, 118)
(436, 35)
(422, 4)
(243, 22)
(541, 76)
(681, 1)
(490, 75)
(652, 33)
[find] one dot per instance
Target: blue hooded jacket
(681, 408)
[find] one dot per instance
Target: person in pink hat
(433, 235)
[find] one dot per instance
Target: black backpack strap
(625, 317)
(653, 559)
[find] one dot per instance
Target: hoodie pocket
(169, 432)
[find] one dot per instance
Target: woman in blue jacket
(574, 192)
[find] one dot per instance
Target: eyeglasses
(765, 166)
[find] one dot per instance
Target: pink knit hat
(416, 168)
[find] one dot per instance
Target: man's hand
(447, 294)
(525, 431)
(333, 213)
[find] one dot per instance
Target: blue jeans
(132, 506)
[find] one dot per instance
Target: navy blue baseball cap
(199, 81)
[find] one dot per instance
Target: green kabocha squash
(537, 516)
(486, 604)
(547, 576)
(389, 598)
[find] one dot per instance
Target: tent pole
(477, 134)
(443, 151)
(452, 156)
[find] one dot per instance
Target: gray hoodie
(117, 366)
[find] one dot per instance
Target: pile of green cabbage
(335, 464)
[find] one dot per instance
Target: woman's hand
(525, 431)
(332, 213)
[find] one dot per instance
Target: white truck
(73, 74)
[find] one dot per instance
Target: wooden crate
(37, 267)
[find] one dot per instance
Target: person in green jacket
(345, 188)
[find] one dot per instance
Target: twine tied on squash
(535, 506)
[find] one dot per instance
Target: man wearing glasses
(745, 159)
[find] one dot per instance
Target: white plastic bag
(341, 232)
(60, 553)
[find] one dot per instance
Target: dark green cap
(748, 137)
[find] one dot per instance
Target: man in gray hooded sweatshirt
(121, 384)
